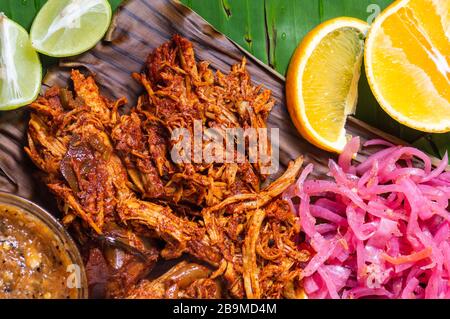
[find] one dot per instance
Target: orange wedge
(322, 81)
(407, 58)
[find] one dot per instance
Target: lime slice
(69, 27)
(20, 68)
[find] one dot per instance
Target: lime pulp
(20, 67)
(65, 28)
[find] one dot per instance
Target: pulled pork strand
(114, 178)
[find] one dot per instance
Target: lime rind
(20, 67)
(66, 28)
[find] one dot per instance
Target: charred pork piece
(112, 272)
(185, 280)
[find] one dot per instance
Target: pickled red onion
(380, 229)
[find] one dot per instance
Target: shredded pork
(114, 177)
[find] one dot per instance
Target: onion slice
(380, 229)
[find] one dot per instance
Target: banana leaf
(140, 26)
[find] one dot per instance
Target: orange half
(407, 58)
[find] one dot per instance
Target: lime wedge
(69, 27)
(20, 68)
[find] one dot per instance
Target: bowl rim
(56, 228)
